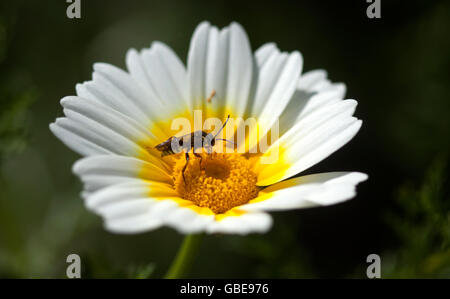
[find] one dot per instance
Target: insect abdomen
(166, 147)
(167, 152)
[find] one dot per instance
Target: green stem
(185, 256)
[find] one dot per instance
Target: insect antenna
(224, 124)
(226, 140)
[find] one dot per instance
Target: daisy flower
(118, 118)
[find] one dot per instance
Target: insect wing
(208, 142)
(184, 143)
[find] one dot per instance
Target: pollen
(217, 181)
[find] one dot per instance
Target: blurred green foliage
(15, 99)
(422, 224)
(16, 96)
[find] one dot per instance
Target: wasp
(192, 141)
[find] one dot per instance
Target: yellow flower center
(221, 182)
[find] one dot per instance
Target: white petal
(264, 52)
(197, 58)
(101, 171)
(277, 81)
(108, 117)
(292, 112)
(313, 91)
(138, 70)
(76, 142)
(327, 96)
(242, 224)
(308, 191)
(310, 141)
(162, 74)
(137, 206)
(116, 127)
(100, 89)
(187, 221)
(314, 80)
(133, 225)
(97, 134)
(220, 61)
(240, 67)
(133, 207)
(129, 207)
(106, 200)
(339, 110)
(130, 90)
(175, 71)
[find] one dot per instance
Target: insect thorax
(194, 141)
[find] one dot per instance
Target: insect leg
(201, 158)
(185, 165)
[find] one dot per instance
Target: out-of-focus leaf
(141, 271)
(422, 225)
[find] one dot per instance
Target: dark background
(397, 67)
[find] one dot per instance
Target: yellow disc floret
(221, 182)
